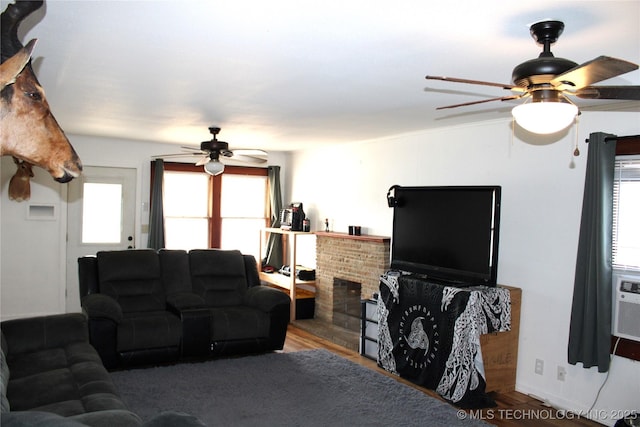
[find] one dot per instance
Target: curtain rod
(618, 138)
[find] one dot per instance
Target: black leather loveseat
(51, 376)
(146, 306)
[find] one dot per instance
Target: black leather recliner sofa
(147, 307)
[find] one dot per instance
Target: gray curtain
(156, 212)
(273, 256)
(590, 328)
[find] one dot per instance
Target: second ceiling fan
(215, 152)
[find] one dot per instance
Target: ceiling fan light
(545, 117)
(214, 167)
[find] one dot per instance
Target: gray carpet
(307, 388)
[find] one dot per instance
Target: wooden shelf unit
(289, 283)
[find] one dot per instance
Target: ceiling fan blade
(250, 152)
(186, 147)
(476, 82)
(203, 161)
(250, 155)
(504, 98)
(594, 71)
(631, 93)
(248, 159)
(162, 156)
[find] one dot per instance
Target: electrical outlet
(539, 366)
(562, 373)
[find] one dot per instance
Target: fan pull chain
(576, 152)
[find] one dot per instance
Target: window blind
(626, 211)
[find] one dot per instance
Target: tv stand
(408, 300)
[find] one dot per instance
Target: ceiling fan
(546, 81)
(214, 152)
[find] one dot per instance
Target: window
(225, 211)
(626, 211)
(101, 213)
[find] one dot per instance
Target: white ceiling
(284, 74)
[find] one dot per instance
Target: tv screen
(448, 234)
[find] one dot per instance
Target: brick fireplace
(345, 258)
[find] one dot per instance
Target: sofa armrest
(102, 306)
(88, 275)
(266, 298)
(184, 301)
(43, 332)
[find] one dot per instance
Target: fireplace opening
(346, 304)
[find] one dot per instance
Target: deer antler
(11, 19)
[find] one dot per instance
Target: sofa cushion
(148, 330)
(174, 266)
(132, 278)
(68, 380)
(218, 276)
(29, 335)
(238, 323)
(33, 363)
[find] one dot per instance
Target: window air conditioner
(626, 308)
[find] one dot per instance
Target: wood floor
(514, 409)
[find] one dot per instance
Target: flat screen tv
(448, 234)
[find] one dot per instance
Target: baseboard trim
(554, 401)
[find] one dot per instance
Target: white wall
(33, 252)
(542, 185)
(32, 265)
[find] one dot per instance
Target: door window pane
(101, 213)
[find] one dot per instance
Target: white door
(101, 216)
